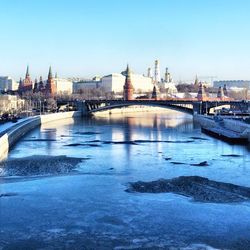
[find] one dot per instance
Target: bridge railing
(206, 99)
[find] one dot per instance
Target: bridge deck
(184, 105)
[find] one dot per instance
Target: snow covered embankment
(13, 133)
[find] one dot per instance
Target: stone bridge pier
(82, 106)
(198, 108)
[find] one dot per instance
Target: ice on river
(38, 165)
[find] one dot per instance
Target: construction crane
(211, 78)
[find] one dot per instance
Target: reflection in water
(128, 135)
(143, 126)
(51, 131)
(151, 120)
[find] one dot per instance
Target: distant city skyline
(94, 37)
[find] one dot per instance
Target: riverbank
(11, 133)
(225, 128)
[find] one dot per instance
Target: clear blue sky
(96, 37)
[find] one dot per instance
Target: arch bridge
(190, 106)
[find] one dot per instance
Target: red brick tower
(201, 96)
(51, 85)
(26, 84)
(128, 87)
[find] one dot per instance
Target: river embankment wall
(229, 124)
(11, 135)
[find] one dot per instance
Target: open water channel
(83, 204)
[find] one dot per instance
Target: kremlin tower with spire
(128, 89)
(51, 85)
(201, 96)
(26, 84)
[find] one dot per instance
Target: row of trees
(43, 102)
(242, 94)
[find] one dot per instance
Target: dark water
(89, 209)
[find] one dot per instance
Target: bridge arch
(93, 108)
(190, 106)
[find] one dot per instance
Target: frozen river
(88, 208)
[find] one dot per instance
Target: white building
(237, 89)
(142, 83)
(169, 87)
(63, 86)
(10, 103)
(86, 84)
(115, 82)
(7, 83)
